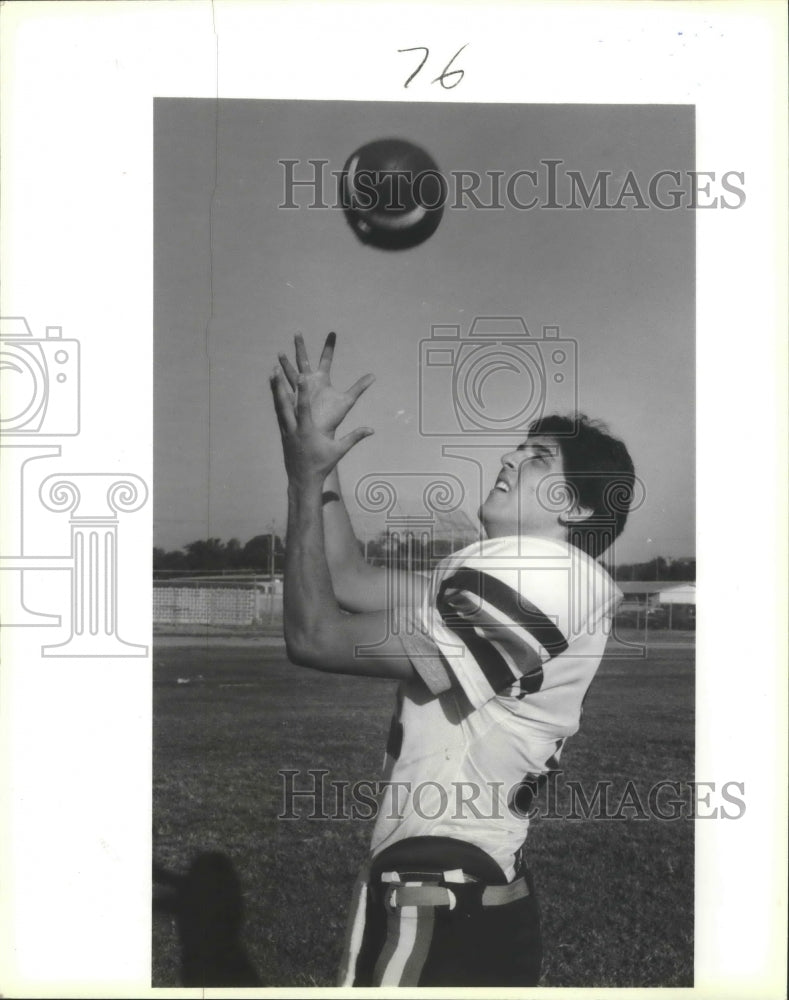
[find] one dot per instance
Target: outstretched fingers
(327, 354)
(353, 438)
(303, 406)
(283, 402)
(302, 359)
(290, 372)
(359, 386)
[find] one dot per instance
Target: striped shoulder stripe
(508, 601)
(488, 658)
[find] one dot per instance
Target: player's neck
(557, 534)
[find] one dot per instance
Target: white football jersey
(505, 645)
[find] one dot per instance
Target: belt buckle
(392, 903)
(390, 896)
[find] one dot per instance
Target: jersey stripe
(531, 683)
(511, 603)
(518, 647)
(552, 763)
(490, 661)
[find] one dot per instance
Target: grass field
(616, 894)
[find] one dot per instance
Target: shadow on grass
(208, 910)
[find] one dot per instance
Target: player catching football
(495, 652)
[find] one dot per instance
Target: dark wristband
(328, 495)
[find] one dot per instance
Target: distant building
(680, 593)
(658, 603)
(680, 602)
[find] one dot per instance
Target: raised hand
(328, 405)
(310, 451)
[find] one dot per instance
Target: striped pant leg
(429, 946)
(409, 938)
(384, 946)
(355, 930)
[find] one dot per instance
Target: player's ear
(575, 515)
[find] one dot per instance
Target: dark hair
(599, 471)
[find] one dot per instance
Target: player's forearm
(357, 586)
(341, 544)
(310, 606)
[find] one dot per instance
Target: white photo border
(79, 80)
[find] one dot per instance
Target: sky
(235, 276)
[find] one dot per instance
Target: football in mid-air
(393, 194)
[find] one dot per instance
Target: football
(393, 194)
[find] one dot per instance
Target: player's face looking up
(513, 506)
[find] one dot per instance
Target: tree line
(659, 568)
(212, 554)
(257, 555)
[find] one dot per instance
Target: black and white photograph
(405, 628)
(359, 504)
